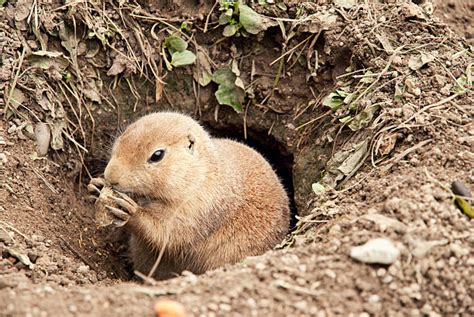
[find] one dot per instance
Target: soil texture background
(364, 109)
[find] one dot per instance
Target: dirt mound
(459, 15)
(364, 109)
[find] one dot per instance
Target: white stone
(82, 269)
(379, 250)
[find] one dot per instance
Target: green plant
(231, 88)
(239, 18)
(177, 49)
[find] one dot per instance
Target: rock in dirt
(43, 137)
(458, 250)
(380, 250)
(460, 189)
(33, 256)
(421, 247)
(83, 269)
(385, 222)
(3, 159)
(23, 258)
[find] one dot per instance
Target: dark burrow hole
(277, 153)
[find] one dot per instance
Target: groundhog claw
(127, 198)
(95, 185)
(120, 217)
(123, 209)
(93, 189)
(126, 203)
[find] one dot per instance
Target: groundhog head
(160, 157)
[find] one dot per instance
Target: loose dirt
(55, 261)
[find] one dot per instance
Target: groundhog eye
(157, 156)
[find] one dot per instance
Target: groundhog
(202, 201)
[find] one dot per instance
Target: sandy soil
(55, 261)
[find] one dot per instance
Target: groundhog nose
(111, 175)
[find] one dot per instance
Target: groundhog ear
(191, 142)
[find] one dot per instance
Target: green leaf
(465, 206)
(399, 90)
(460, 192)
(182, 58)
(460, 86)
(225, 4)
(469, 71)
(224, 76)
(253, 22)
(224, 19)
(363, 118)
(318, 188)
(335, 99)
(282, 6)
(348, 98)
(464, 82)
(230, 30)
(226, 16)
(368, 77)
(176, 43)
(228, 92)
(346, 119)
(231, 96)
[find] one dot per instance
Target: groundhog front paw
(111, 207)
(121, 208)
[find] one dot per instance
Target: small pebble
(33, 256)
(458, 250)
(3, 159)
(82, 269)
(379, 250)
(43, 137)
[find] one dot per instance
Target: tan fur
(215, 203)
